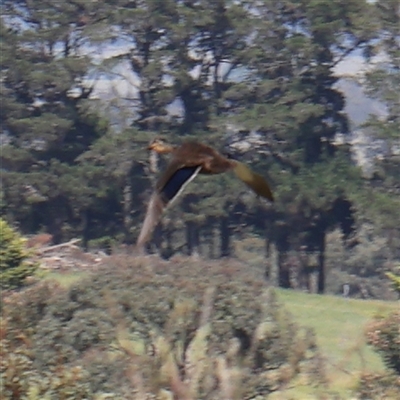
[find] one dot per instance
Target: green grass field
(339, 324)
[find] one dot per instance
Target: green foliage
(75, 160)
(378, 386)
(194, 369)
(384, 335)
(364, 266)
(395, 280)
(19, 379)
(382, 83)
(47, 118)
(14, 264)
(168, 327)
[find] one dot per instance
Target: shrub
(19, 379)
(57, 341)
(194, 369)
(181, 323)
(14, 264)
(25, 309)
(384, 335)
(378, 387)
(394, 279)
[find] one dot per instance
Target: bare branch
(348, 52)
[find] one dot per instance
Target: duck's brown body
(188, 160)
(211, 161)
(193, 154)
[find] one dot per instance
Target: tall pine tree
(46, 118)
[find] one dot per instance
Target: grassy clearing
(65, 279)
(339, 324)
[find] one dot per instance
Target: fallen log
(58, 246)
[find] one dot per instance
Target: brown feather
(255, 181)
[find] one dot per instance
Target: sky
(123, 84)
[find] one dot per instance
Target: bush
(19, 379)
(378, 387)
(384, 335)
(14, 264)
(394, 279)
(193, 370)
(23, 310)
(184, 323)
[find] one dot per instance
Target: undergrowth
(148, 329)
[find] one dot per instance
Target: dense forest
(85, 86)
(255, 78)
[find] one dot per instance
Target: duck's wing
(255, 181)
(168, 188)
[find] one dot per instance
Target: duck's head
(160, 146)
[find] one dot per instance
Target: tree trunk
(272, 272)
(196, 239)
(55, 219)
(304, 275)
(85, 228)
(321, 265)
(127, 207)
(192, 238)
(284, 270)
(211, 243)
(282, 247)
(225, 237)
(268, 266)
(311, 269)
(158, 237)
(168, 248)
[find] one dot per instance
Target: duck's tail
(255, 181)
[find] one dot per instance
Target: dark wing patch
(177, 181)
(168, 188)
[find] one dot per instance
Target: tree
(265, 68)
(14, 264)
(181, 54)
(46, 118)
(383, 335)
(382, 83)
(395, 280)
(292, 103)
(140, 28)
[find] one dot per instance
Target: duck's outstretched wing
(255, 181)
(168, 188)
